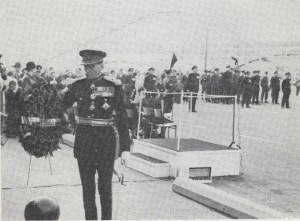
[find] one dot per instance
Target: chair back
(148, 111)
(158, 113)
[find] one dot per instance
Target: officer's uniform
(208, 86)
(215, 79)
(97, 134)
(286, 90)
(264, 88)
(192, 85)
(240, 88)
(169, 98)
(246, 85)
(255, 84)
(275, 86)
(150, 82)
(228, 84)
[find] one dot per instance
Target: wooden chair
(161, 121)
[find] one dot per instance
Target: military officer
(228, 84)
(192, 85)
(99, 132)
(170, 86)
(129, 84)
(275, 86)
(286, 90)
(207, 84)
(264, 88)
(255, 84)
(246, 86)
(240, 88)
(215, 80)
(150, 80)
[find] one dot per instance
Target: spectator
(42, 208)
(13, 101)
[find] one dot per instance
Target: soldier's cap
(194, 67)
(258, 71)
(17, 65)
(243, 71)
(266, 72)
(30, 66)
(276, 72)
(216, 69)
(247, 72)
(92, 56)
(151, 69)
(253, 71)
(130, 69)
(228, 66)
(288, 73)
(39, 67)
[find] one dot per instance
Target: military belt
(94, 121)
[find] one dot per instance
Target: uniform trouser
(297, 90)
(246, 98)
(255, 94)
(87, 170)
(194, 98)
(168, 104)
(264, 94)
(240, 91)
(285, 99)
(275, 94)
(214, 91)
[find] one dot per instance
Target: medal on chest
(101, 92)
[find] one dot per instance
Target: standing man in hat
(275, 86)
(255, 83)
(247, 90)
(286, 90)
(192, 85)
(150, 80)
(99, 132)
(264, 88)
(17, 72)
(215, 80)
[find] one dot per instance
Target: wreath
(42, 119)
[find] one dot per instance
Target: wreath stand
(29, 168)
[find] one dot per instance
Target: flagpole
(205, 60)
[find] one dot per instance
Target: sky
(145, 33)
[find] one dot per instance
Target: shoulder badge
(113, 80)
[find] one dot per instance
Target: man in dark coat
(275, 86)
(255, 87)
(215, 87)
(246, 85)
(150, 80)
(264, 88)
(99, 132)
(286, 90)
(228, 84)
(192, 85)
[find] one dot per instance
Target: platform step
(68, 139)
(148, 165)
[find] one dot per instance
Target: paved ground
(269, 137)
(270, 140)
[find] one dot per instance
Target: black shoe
(288, 108)
(266, 102)
(194, 111)
(248, 107)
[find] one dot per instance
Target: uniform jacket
(192, 83)
(149, 82)
(275, 83)
(264, 82)
(246, 84)
(286, 86)
(110, 97)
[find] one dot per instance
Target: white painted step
(148, 165)
(68, 139)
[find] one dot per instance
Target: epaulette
(78, 79)
(113, 80)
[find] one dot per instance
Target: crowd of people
(247, 87)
